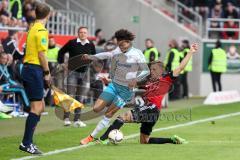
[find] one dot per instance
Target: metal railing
(7, 28)
(176, 9)
(64, 22)
(195, 21)
(220, 28)
(69, 17)
(71, 5)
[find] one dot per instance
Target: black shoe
(32, 149)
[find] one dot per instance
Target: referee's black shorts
(33, 83)
(147, 116)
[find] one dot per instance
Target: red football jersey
(155, 91)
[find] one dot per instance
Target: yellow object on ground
(68, 103)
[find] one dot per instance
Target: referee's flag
(65, 101)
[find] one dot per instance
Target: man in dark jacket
(77, 77)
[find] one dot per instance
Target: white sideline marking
(223, 141)
(135, 135)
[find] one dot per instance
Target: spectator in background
(4, 8)
(216, 12)
(4, 13)
(184, 76)
(1, 48)
(9, 85)
(13, 13)
(99, 36)
(77, 80)
(201, 7)
(57, 70)
(172, 61)
(203, 11)
(232, 53)
(151, 53)
(230, 34)
(100, 41)
(4, 21)
(16, 8)
(231, 12)
(96, 83)
(233, 59)
(217, 64)
(15, 22)
(52, 56)
(10, 45)
(212, 3)
(29, 12)
(225, 2)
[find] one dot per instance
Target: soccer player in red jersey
(147, 108)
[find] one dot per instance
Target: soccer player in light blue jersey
(127, 68)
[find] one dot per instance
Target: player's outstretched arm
(99, 56)
(193, 49)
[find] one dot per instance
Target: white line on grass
(135, 135)
(220, 142)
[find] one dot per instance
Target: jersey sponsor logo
(124, 65)
(147, 107)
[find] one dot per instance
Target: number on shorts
(139, 101)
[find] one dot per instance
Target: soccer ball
(115, 136)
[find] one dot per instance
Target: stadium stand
(225, 13)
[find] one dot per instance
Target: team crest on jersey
(44, 41)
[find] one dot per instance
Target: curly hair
(124, 34)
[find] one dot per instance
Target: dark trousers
(184, 83)
(176, 92)
(76, 87)
(216, 80)
(96, 87)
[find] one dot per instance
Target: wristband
(45, 73)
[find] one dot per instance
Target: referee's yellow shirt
(37, 41)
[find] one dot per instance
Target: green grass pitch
(217, 140)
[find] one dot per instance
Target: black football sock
(160, 140)
(66, 115)
(117, 124)
(30, 126)
(77, 113)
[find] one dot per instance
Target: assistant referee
(35, 72)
